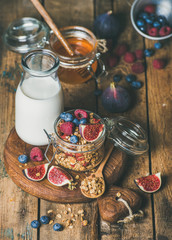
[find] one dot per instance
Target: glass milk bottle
(39, 97)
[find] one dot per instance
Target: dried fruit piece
(67, 128)
(79, 113)
(149, 184)
(36, 154)
(36, 173)
(116, 99)
(91, 132)
(58, 176)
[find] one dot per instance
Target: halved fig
(36, 173)
(58, 176)
(149, 184)
(91, 132)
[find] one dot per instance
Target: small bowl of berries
(152, 18)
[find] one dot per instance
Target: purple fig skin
(116, 99)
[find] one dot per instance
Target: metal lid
(26, 34)
(128, 136)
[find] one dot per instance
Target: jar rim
(72, 145)
(74, 30)
(45, 52)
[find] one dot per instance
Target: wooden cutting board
(14, 147)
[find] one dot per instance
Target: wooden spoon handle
(52, 25)
(109, 151)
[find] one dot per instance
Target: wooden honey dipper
(52, 25)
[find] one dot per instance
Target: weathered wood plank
(135, 166)
(159, 98)
(17, 208)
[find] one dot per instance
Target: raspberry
(139, 54)
(129, 57)
(150, 8)
(67, 128)
(164, 31)
(112, 61)
(36, 154)
(79, 113)
(153, 32)
(121, 49)
(158, 63)
(138, 67)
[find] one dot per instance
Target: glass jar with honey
(74, 69)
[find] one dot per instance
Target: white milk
(38, 103)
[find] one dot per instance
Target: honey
(73, 69)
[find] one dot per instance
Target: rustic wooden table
(151, 109)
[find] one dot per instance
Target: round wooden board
(14, 147)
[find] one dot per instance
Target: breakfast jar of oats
(79, 137)
(78, 142)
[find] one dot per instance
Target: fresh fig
(91, 132)
(58, 176)
(149, 184)
(36, 173)
(107, 25)
(116, 99)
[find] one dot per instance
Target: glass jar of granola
(78, 142)
(81, 153)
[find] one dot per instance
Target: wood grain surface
(151, 108)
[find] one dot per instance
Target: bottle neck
(40, 63)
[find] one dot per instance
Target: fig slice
(58, 176)
(149, 184)
(91, 132)
(36, 173)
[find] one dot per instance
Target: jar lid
(128, 136)
(26, 34)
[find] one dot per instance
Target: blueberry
(148, 52)
(73, 139)
(149, 20)
(76, 121)
(136, 84)
(143, 28)
(83, 121)
(130, 78)
(162, 19)
(57, 227)
(153, 16)
(23, 158)
(97, 92)
(68, 117)
(35, 224)
(62, 115)
(156, 24)
(158, 45)
(117, 78)
(143, 15)
(140, 23)
(44, 219)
